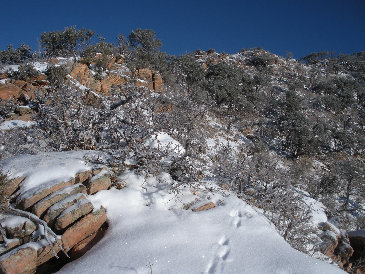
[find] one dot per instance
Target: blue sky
(298, 26)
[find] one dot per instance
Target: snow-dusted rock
(16, 226)
(72, 214)
(33, 195)
(40, 207)
(83, 228)
(22, 259)
(55, 210)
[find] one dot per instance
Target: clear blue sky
(298, 26)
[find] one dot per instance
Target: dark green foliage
(65, 43)
(25, 72)
(146, 50)
(100, 54)
(145, 40)
(56, 75)
(316, 57)
(298, 134)
(15, 56)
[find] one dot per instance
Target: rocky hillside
(284, 135)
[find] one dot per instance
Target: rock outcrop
(336, 245)
(66, 209)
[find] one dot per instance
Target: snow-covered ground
(153, 229)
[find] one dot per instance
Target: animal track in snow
(217, 263)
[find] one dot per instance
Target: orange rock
(83, 228)
(98, 184)
(45, 253)
(3, 76)
(82, 176)
(70, 215)
(80, 248)
(12, 243)
(207, 206)
(81, 73)
(40, 207)
(25, 117)
(20, 227)
(22, 259)
(28, 198)
(55, 210)
(12, 185)
(145, 77)
(9, 91)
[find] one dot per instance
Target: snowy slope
(153, 229)
(151, 233)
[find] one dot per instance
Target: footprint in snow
(219, 259)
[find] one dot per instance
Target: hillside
(276, 145)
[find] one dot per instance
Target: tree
(146, 49)
(66, 43)
(15, 56)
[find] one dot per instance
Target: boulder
(336, 245)
(206, 206)
(45, 253)
(16, 226)
(23, 85)
(41, 207)
(144, 78)
(72, 214)
(32, 196)
(54, 211)
(11, 243)
(9, 91)
(3, 76)
(88, 225)
(82, 176)
(97, 184)
(80, 248)
(22, 259)
(13, 185)
(81, 73)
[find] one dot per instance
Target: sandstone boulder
(97, 184)
(12, 185)
(88, 225)
(206, 206)
(54, 211)
(32, 196)
(72, 214)
(16, 226)
(45, 253)
(79, 249)
(11, 243)
(22, 259)
(9, 91)
(81, 73)
(336, 245)
(82, 176)
(40, 207)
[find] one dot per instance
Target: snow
(45, 168)
(14, 221)
(162, 140)
(7, 125)
(153, 229)
(151, 232)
